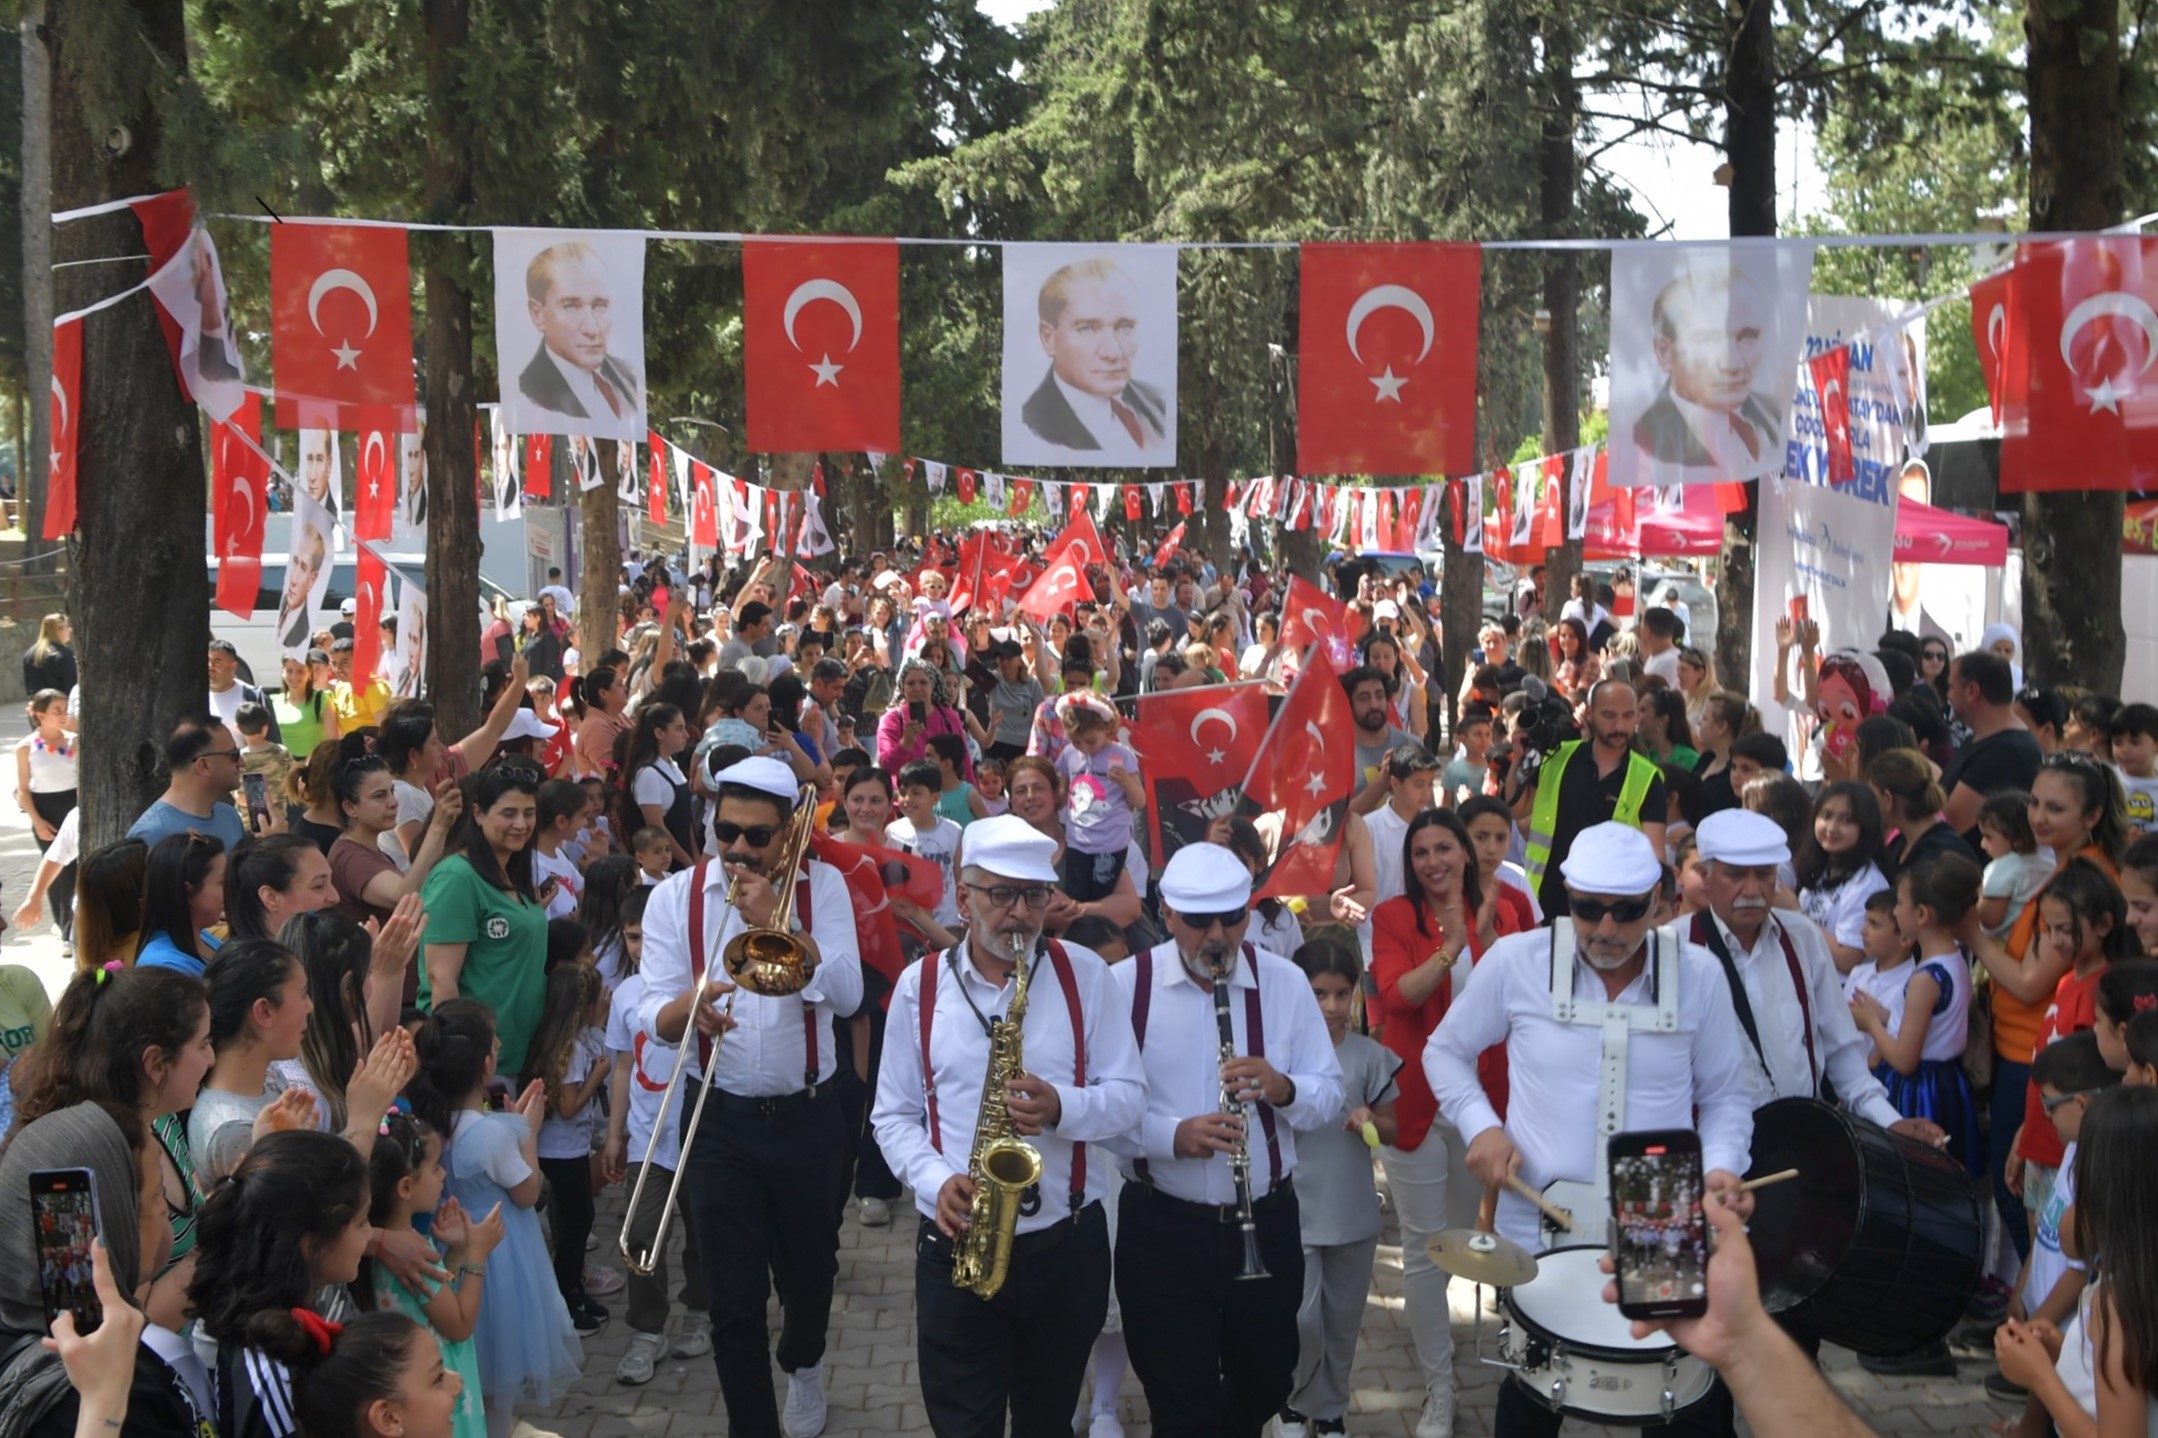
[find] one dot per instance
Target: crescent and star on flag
(2107, 394)
(1397, 297)
(326, 283)
(808, 292)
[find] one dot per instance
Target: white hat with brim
(1742, 838)
(1612, 858)
(1010, 848)
(761, 773)
(1205, 879)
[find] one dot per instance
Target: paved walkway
(871, 1378)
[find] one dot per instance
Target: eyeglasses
(1003, 896)
(2058, 1099)
(1228, 919)
(758, 835)
(219, 754)
(1592, 911)
(1934, 656)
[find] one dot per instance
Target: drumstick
(1766, 1179)
(1551, 1210)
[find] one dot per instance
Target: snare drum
(1573, 1352)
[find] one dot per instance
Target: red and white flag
(1305, 770)
(1993, 331)
(189, 287)
(60, 490)
(2085, 326)
(1195, 747)
(1063, 581)
(370, 576)
(539, 466)
(341, 326)
(656, 486)
(1386, 378)
(704, 510)
(376, 481)
(820, 343)
(1831, 370)
(1311, 616)
(240, 478)
(1170, 546)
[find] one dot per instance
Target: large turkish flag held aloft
(821, 344)
(1309, 615)
(2084, 324)
(1063, 581)
(1306, 771)
(1196, 746)
(341, 326)
(1386, 373)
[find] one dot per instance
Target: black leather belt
(1217, 1212)
(1040, 1240)
(771, 1106)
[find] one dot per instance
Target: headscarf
(80, 1136)
(1997, 632)
(937, 697)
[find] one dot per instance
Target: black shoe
(588, 1317)
(1974, 1337)
(1999, 1386)
(1932, 1361)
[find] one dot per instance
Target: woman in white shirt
(45, 790)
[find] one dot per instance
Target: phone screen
(63, 1208)
(918, 711)
(258, 799)
(1659, 1235)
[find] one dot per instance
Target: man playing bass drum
(1024, 1347)
(1209, 1254)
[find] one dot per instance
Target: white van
(256, 638)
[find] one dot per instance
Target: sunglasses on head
(1592, 911)
(1228, 919)
(757, 835)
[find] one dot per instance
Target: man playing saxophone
(762, 1168)
(956, 1096)
(1212, 1334)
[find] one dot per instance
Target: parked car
(256, 637)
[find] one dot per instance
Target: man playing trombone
(1209, 1252)
(1011, 1278)
(771, 936)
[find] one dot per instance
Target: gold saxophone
(1003, 1166)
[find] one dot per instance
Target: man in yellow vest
(1587, 782)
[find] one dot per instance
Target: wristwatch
(1290, 1097)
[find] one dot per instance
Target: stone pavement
(870, 1367)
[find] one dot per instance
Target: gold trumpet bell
(1016, 1166)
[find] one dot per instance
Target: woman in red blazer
(1448, 909)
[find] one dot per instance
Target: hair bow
(2146, 1002)
(320, 1329)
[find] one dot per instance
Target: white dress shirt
(1838, 1046)
(1718, 431)
(1182, 1055)
(581, 384)
(1112, 1102)
(1100, 420)
(1554, 1069)
(764, 1056)
(1387, 830)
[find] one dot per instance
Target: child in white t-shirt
(567, 1054)
(921, 831)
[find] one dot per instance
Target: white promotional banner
(1824, 555)
(1886, 391)
(1705, 343)
(1090, 355)
(569, 331)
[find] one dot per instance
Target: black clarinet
(1234, 1107)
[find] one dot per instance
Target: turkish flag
(820, 344)
(371, 575)
(1131, 502)
(1832, 392)
(704, 509)
(1063, 580)
(1022, 495)
(341, 325)
(239, 480)
(1305, 770)
(656, 486)
(1170, 546)
(539, 466)
(1552, 526)
(1196, 745)
(376, 482)
(1183, 499)
(1993, 331)
(964, 480)
(66, 430)
(1311, 616)
(1386, 373)
(2085, 327)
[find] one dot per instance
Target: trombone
(770, 962)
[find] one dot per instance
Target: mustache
(748, 861)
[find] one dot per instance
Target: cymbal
(1481, 1257)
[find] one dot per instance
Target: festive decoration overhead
(821, 345)
(2084, 328)
(341, 325)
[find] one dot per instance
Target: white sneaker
(1105, 1425)
(1286, 1427)
(693, 1336)
(875, 1213)
(599, 1282)
(636, 1365)
(591, 1242)
(803, 1416)
(1437, 1419)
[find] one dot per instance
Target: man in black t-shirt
(2001, 753)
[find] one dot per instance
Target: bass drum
(1877, 1245)
(1576, 1354)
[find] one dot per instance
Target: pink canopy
(1925, 535)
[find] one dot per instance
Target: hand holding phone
(917, 712)
(257, 787)
(1659, 1232)
(64, 1217)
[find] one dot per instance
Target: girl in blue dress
(527, 1349)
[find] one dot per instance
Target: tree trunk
(2072, 629)
(1562, 288)
(1214, 508)
(37, 283)
(1461, 609)
(1749, 106)
(599, 576)
(142, 599)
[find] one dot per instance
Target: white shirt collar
(581, 385)
(1094, 413)
(1767, 936)
(1713, 427)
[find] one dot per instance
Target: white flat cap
(1386, 609)
(1011, 848)
(1205, 879)
(524, 724)
(1612, 858)
(1742, 837)
(767, 775)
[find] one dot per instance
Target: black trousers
(1024, 1350)
(763, 1181)
(1521, 1416)
(60, 896)
(873, 1177)
(569, 1213)
(1215, 1354)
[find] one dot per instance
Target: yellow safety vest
(1641, 771)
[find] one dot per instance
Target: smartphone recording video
(63, 1208)
(1659, 1234)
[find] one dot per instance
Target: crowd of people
(365, 1016)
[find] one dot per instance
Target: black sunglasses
(1592, 911)
(758, 835)
(1228, 919)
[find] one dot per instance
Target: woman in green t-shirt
(486, 925)
(305, 715)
